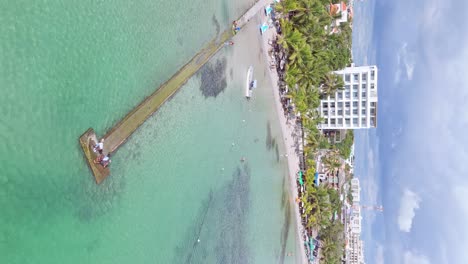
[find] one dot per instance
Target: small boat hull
(248, 82)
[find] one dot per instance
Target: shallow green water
(67, 66)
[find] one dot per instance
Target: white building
(355, 221)
(355, 106)
(355, 191)
(355, 246)
(355, 250)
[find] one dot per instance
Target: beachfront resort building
(354, 107)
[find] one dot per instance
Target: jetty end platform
(87, 142)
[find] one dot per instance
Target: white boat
(250, 83)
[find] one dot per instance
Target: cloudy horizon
(413, 163)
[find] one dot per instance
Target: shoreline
(287, 131)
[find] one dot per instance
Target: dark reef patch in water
(213, 78)
(285, 231)
(220, 224)
(270, 140)
(216, 24)
(277, 153)
(284, 193)
(180, 41)
(190, 245)
(96, 200)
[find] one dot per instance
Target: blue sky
(416, 162)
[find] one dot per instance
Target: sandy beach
(289, 138)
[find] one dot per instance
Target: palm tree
(289, 36)
(331, 83)
(299, 96)
(288, 6)
(331, 162)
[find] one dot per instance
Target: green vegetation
(344, 147)
(312, 55)
(332, 249)
(332, 162)
(349, 196)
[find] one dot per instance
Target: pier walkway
(117, 135)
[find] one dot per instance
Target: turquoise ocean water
(69, 65)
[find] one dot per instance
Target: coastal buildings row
(355, 106)
(355, 246)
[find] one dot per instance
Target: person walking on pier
(99, 146)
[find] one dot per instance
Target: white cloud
(371, 170)
(370, 183)
(461, 196)
(408, 205)
(398, 131)
(408, 59)
(414, 258)
(397, 75)
(431, 13)
(379, 255)
(409, 64)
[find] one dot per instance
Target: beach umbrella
(268, 10)
(263, 28)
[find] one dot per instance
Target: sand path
(291, 139)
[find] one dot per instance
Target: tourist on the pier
(99, 146)
(103, 160)
(98, 159)
(106, 160)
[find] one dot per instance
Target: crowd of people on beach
(235, 27)
(103, 160)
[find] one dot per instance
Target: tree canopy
(312, 54)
